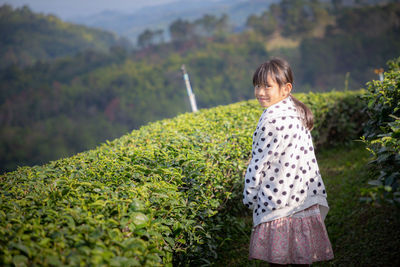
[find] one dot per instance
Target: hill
(55, 109)
(161, 16)
(27, 37)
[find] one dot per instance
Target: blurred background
(76, 73)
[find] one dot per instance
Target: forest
(90, 87)
(28, 37)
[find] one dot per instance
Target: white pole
(381, 76)
(189, 89)
(380, 73)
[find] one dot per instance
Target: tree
(206, 25)
(181, 30)
(149, 37)
(299, 17)
(265, 24)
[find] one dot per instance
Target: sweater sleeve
(266, 148)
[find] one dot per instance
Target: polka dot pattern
(283, 169)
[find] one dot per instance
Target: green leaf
(139, 219)
(22, 248)
(20, 260)
(53, 260)
(374, 182)
(170, 241)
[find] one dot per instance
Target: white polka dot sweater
(283, 175)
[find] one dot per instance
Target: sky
(73, 8)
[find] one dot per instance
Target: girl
(283, 185)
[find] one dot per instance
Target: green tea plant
(382, 136)
(162, 195)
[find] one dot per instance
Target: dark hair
(280, 71)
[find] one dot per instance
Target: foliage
(265, 24)
(362, 39)
(301, 16)
(290, 17)
(149, 37)
(208, 25)
(160, 195)
(57, 108)
(27, 37)
(75, 103)
(382, 135)
(338, 119)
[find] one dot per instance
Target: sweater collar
(285, 107)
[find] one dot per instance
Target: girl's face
(270, 93)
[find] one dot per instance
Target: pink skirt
(297, 239)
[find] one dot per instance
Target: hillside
(27, 37)
(160, 16)
(159, 195)
(71, 104)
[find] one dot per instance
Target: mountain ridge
(160, 16)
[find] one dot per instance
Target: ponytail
(306, 114)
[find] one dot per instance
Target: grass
(361, 234)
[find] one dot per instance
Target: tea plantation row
(161, 195)
(382, 135)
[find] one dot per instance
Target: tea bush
(159, 196)
(382, 135)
